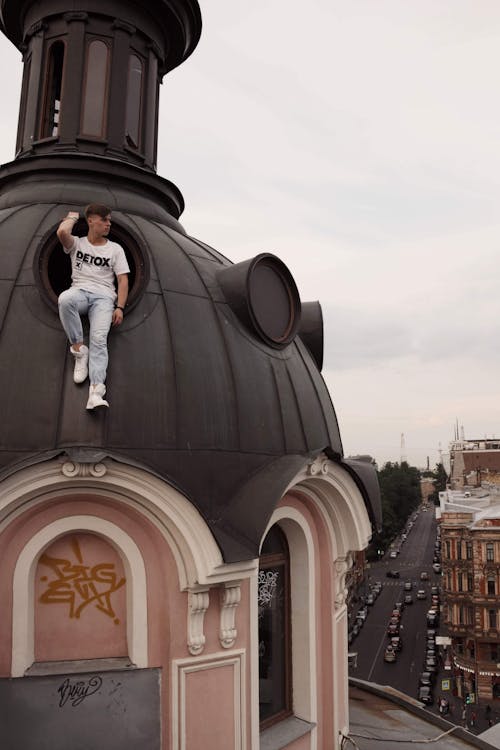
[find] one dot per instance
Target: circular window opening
(274, 300)
(53, 265)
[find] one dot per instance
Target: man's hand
(117, 318)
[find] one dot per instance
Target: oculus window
(52, 266)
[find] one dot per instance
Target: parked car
(390, 654)
(434, 590)
(431, 632)
(436, 567)
(393, 554)
(399, 605)
(425, 695)
(370, 600)
(393, 629)
(430, 664)
(351, 636)
(408, 586)
(408, 599)
(421, 594)
(426, 678)
(362, 613)
(397, 642)
(356, 628)
(392, 574)
(424, 576)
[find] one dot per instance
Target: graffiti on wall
(80, 585)
(75, 691)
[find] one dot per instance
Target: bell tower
(92, 74)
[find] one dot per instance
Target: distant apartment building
(474, 462)
(470, 558)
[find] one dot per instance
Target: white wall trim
(196, 553)
(303, 614)
(23, 607)
(183, 667)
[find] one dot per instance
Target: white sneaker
(81, 363)
(96, 393)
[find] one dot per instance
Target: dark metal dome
(196, 396)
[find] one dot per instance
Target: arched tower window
(95, 89)
(134, 101)
(275, 679)
(53, 90)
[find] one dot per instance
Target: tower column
(118, 86)
(73, 82)
(34, 84)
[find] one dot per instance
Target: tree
(400, 492)
(440, 478)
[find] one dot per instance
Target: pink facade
(92, 570)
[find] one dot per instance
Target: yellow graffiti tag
(80, 585)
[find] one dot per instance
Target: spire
(91, 76)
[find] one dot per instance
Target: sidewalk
(473, 717)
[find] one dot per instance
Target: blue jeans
(76, 302)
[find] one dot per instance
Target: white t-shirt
(94, 267)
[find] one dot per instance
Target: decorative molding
(342, 566)
(36, 28)
(124, 26)
(23, 586)
(181, 700)
(198, 602)
(76, 15)
(230, 598)
(73, 469)
(318, 466)
(197, 556)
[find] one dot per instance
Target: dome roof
(195, 395)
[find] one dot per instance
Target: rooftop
(382, 718)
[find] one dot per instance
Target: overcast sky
(358, 140)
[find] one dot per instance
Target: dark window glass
(459, 549)
(274, 629)
(460, 582)
(494, 651)
(468, 550)
(491, 585)
(134, 99)
(489, 552)
(22, 107)
(492, 618)
(53, 90)
(448, 549)
(94, 96)
(470, 582)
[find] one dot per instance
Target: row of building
(469, 516)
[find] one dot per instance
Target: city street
(415, 557)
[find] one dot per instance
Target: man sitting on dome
(95, 262)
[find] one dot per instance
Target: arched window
(275, 679)
(134, 101)
(53, 90)
(94, 97)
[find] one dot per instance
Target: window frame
(44, 117)
(267, 561)
(88, 43)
